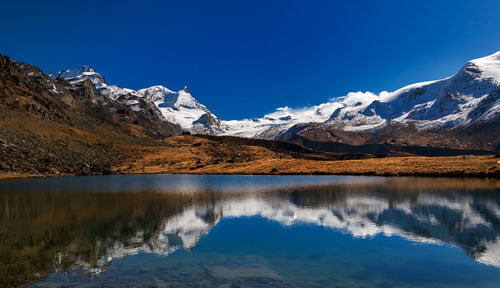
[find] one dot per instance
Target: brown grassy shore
(229, 155)
(199, 155)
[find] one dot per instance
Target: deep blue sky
(246, 58)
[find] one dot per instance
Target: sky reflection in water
(249, 231)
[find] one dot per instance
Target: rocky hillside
(74, 122)
(175, 107)
(53, 125)
(462, 112)
(458, 112)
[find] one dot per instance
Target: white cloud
(321, 112)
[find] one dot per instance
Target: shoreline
(416, 168)
(202, 155)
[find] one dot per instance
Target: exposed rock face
(480, 136)
(174, 107)
(181, 108)
(453, 112)
(53, 125)
(207, 123)
(132, 107)
(461, 111)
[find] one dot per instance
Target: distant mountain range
(179, 107)
(49, 126)
(74, 122)
(461, 111)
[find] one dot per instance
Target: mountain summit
(470, 97)
(79, 75)
(467, 101)
(74, 122)
(450, 112)
(179, 107)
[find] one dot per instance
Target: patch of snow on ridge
(181, 108)
(79, 75)
(114, 92)
(445, 103)
(390, 96)
(470, 96)
(280, 120)
(490, 66)
(176, 107)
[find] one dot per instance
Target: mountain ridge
(456, 105)
(54, 126)
(180, 107)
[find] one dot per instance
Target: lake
(249, 231)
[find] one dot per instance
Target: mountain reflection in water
(42, 232)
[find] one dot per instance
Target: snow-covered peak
(186, 100)
(176, 107)
(282, 119)
(169, 98)
(72, 73)
(489, 66)
(462, 99)
(155, 93)
(79, 75)
(183, 109)
(470, 96)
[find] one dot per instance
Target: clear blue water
(249, 231)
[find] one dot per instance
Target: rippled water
(249, 231)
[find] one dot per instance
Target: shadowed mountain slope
(54, 126)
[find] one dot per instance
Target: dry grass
(196, 155)
(186, 154)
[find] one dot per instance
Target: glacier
(470, 96)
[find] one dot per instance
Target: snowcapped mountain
(181, 108)
(176, 107)
(79, 75)
(282, 119)
(469, 98)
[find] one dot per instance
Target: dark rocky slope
(476, 139)
(52, 126)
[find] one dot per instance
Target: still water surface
(249, 231)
